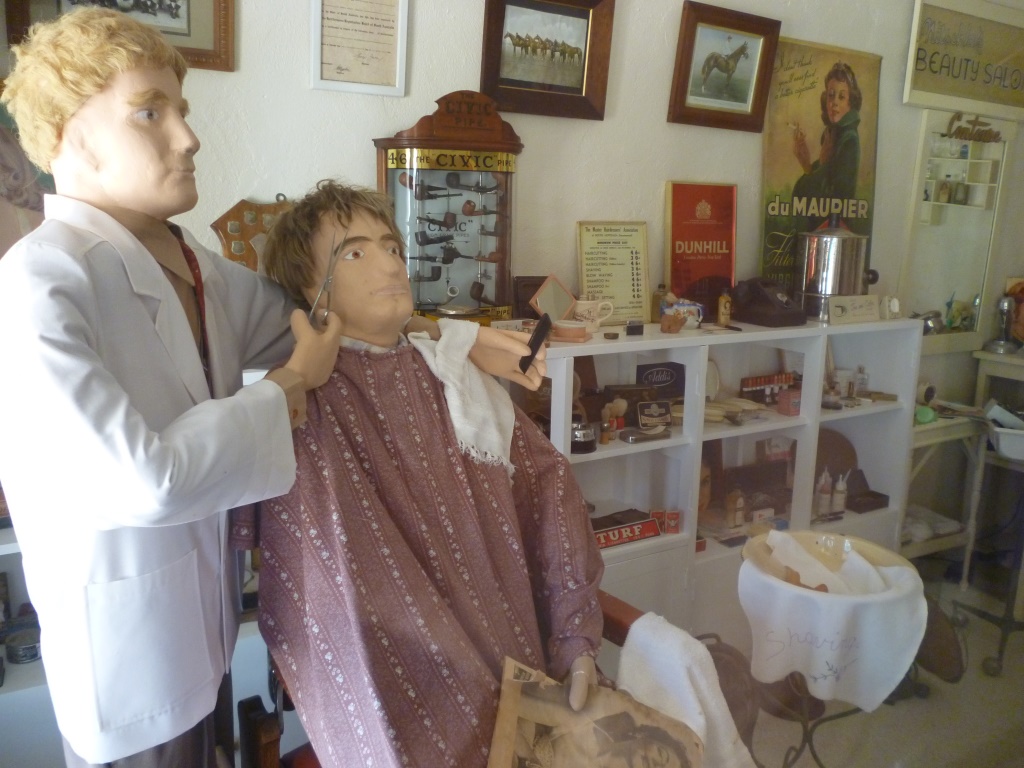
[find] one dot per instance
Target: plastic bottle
(656, 299)
(839, 495)
(824, 501)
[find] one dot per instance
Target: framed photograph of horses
(547, 58)
(723, 68)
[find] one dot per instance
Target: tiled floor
(977, 722)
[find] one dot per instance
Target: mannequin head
(369, 286)
(62, 63)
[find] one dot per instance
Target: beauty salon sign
(967, 55)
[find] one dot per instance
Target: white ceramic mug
(592, 313)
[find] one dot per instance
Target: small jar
(582, 438)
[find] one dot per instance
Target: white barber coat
(118, 469)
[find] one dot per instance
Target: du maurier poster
(819, 142)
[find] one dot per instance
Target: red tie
(197, 277)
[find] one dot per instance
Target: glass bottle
(945, 190)
(860, 382)
(725, 308)
(656, 299)
(960, 190)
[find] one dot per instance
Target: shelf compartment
(22, 677)
(771, 421)
(618, 448)
(933, 545)
(866, 408)
(879, 525)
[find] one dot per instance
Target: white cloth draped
(667, 669)
(854, 644)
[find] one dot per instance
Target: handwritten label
(957, 54)
(834, 650)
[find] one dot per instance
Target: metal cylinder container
(834, 262)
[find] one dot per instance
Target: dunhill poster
(700, 240)
(820, 137)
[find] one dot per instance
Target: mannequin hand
(315, 351)
(582, 675)
(498, 353)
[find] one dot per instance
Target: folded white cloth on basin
(854, 644)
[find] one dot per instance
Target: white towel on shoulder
(481, 409)
(671, 671)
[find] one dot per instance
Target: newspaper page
(536, 728)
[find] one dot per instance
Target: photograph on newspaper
(536, 728)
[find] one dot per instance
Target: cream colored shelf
(8, 542)
(21, 677)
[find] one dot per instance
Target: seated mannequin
(432, 529)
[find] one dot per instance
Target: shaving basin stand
(798, 676)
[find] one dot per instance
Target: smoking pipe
(476, 291)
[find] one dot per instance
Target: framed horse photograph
(723, 68)
(547, 58)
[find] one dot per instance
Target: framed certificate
(613, 267)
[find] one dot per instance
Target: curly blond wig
(62, 63)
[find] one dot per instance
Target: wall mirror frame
(952, 232)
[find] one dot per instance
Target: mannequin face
(133, 146)
(370, 290)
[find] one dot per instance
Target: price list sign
(613, 267)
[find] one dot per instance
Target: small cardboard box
(860, 498)
(789, 402)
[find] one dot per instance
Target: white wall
(264, 130)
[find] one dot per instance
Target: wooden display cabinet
(450, 178)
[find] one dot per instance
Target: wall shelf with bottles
(962, 174)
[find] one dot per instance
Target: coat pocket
(148, 642)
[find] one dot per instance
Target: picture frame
(346, 57)
(565, 74)
(613, 267)
(985, 84)
(717, 82)
(202, 30)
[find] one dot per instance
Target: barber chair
(260, 730)
(792, 697)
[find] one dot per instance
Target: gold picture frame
(205, 35)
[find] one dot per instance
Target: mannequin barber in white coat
(118, 454)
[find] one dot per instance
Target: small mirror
(553, 298)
